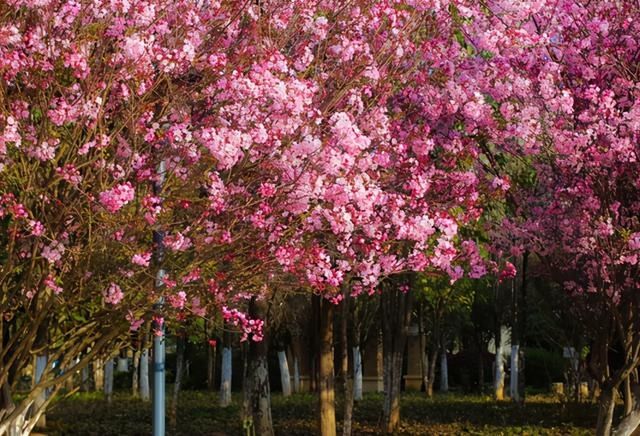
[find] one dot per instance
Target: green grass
(198, 414)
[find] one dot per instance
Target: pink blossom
(37, 229)
(113, 294)
(115, 198)
(142, 259)
(53, 252)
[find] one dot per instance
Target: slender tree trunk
(444, 372)
(285, 376)
(211, 367)
(498, 384)
(108, 379)
(515, 370)
(522, 327)
(98, 374)
(424, 356)
(326, 375)
(145, 391)
(135, 377)
(348, 377)
(258, 373)
(431, 374)
(180, 348)
(296, 375)
(628, 396)
(225, 377)
(85, 379)
(41, 367)
(606, 404)
(357, 374)
(396, 314)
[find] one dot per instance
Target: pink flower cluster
(117, 197)
(113, 294)
(249, 327)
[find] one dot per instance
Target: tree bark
(225, 377)
(296, 375)
(606, 404)
(431, 370)
(357, 374)
(285, 376)
(258, 372)
(41, 367)
(135, 377)
(498, 383)
(108, 379)
(444, 372)
(515, 370)
(211, 367)
(180, 348)
(348, 375)
(631, 420)
(145, 391)
(396, 314)
(326, 377)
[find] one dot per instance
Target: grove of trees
(183, 165)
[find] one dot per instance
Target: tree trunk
(225, 377)
(347, 375)
(606, 404)
(180, 346)
(211, 367)
(108, 379)
(135, 377)
(145, 391)
(296, 375)
(444, 372)
(85, 379)
(285, 376)
(522, 327)
(98, 374)
(326, 377)
(515, 370)
(258, 373)
(396, 314)
(498, 383)
(357, 374)
(628, 396)
(41, 367)
(431, 373)
(631, 420)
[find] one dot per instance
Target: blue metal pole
(158, 326)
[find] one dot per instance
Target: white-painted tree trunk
(296, 375)
(285, 377)
(41, 367)
(513, 386)
(145, 392)
(225, 382)
(357, 374)
(108, 379)
(444, 372)
(123, 364)
(499, 375)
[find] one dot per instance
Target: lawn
(90, 414)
